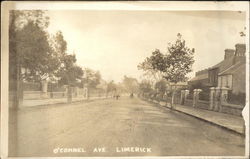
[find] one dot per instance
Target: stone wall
(232, 109)
(203, 104)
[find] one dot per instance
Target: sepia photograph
(125, 79)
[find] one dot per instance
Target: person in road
(117, 96)
(131, 95)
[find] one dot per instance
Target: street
(112, 125)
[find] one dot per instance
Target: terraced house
(230, 72)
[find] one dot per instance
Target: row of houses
(230, 72)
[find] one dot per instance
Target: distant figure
(117, 96)
(131, 95)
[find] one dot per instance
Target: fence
(238, 99)
(204, 95)
(95, 92)
(47, 90)
(213, 100)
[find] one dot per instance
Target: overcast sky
(114, 42)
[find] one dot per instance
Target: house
(228, 73)
(200, 77)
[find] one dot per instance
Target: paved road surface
(115, 124)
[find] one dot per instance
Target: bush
(55, 87)
(30, 86)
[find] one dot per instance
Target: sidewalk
(49, 101)
(226, 121)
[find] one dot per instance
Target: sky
(115, 42)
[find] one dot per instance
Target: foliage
(179, 61)
(29, 46)
(111, 87)
(58, 44)
(20, 18)
(151, 64)
(145, 86)
(161, 86)
(34, 54)
(69, 72)
(131, 84)
(91, 78)
(31, 86)
(174, 65)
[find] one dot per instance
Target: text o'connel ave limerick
(127, 83)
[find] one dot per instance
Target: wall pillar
(212, 98)
(224, 94)
(196, 97)
(217, 100)
(85, 92)
(44, 88)
(182, 97)
(185, 95)
(172, 100)
(69, 94)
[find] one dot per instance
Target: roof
(227, 63)
(239, 66)
(223, 65)
(226, 66)
(200, 77)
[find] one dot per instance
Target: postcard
(136, 79)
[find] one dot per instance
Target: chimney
(228, 53)
(240, 49)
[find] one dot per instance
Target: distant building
(176, 86)
(200, 77)
(228, 73)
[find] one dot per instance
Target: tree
(131, 84)
(150, 66)
(111, 87)
(20, 18)
(34, 53)
(31, 50)
(27, 29)
(91, 78)
(145, 87)
(70, 73)
(178, 62)
(161, 86)
(174, 65)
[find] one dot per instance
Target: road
(112, 125)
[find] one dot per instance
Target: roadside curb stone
(224, 126)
